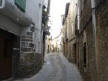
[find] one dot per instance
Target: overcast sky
(57, 9)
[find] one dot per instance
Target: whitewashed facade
(23, 25)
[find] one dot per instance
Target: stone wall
(31, 56)
(27, 56)
(30, 60)
(69, 33)
(88, 69)
(87, 56)
(102, 39)
(8, 25)
(96, 58)
(92, 61)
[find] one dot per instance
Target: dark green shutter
(21, 4)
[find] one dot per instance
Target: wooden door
(5, 58)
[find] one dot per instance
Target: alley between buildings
(53, 40)
(56, 68)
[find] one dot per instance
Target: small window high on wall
(21, 4)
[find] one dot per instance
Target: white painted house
(20, 37)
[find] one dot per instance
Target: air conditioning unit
(2, 3)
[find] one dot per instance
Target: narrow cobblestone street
(53, 40)
(56, 68)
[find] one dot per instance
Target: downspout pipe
(93, 6)
(9, 9)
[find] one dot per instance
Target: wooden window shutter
(21, 4)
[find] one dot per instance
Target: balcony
(15, 12)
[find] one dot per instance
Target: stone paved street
(56, 68)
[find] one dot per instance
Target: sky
(57, 9)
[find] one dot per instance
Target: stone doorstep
(27, 49)
(30, 52)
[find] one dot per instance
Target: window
(21, 4)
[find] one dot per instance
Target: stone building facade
(45, 26)
(91, 39)
(101, 39)
(48, 45)
(86, 39)
(69, 31)
(21, 38)
(64, 30)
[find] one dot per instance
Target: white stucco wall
(8, 25)
(34, 11)
(71, 19)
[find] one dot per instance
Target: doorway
(5, 58)
(74, 53)
(8, 41)
(85, 55)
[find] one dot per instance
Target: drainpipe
(93, 6)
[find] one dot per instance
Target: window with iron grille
(21, 4)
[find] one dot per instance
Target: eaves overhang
(9, 9)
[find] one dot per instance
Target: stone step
(28, 52)
(27, 44)
(29, 33)
(27, 49)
